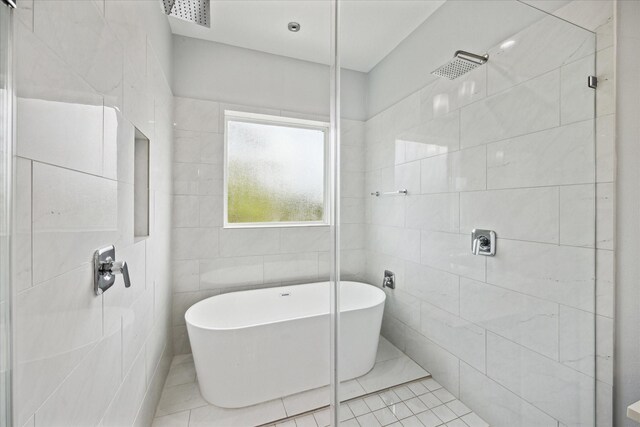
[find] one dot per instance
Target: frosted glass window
(275, 171)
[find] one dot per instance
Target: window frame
(283, 121)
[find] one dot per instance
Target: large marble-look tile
(198, 179)
(198, 147)
(577, 99)
(560, 391)
(118, 146)
(433, 286)
(80, 402)
(524, 214)
(22, 260)
(441, 363)
(57, 323)
(544, 46)
(559, 156)
(78, 33)
(125, 404)
(73, 214)
(525, 108)
(459, 336)
(445, 96)
(498, 405)
(291, 267)
(211, 416)
(437, 136)
(605, 148)
(186, 211)
(605, 99)
(404, 307)
(561, 274)
(185, 275)
(179, 419)
(578, 215)
(463, 170)
(181, 302)
(195, 243)
(587, 14)
(399, 242)
(226, 272)
(452, 253)
(304, 239)
(249, 241)
(179, 398)
(437, 212)
(389, 211)
(196, 115)
(529, 321)
(577, 339)
(391, 372)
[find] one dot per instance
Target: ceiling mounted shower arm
(468, 56)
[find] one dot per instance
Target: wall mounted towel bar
(403, 192)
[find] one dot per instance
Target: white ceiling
(370, 29)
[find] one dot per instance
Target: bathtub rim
(378, 290)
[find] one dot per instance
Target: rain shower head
(462, 63)
(196, 11)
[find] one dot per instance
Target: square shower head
(196, 11)
(462, 63)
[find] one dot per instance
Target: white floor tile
(391, 372)
(368, 420)
(430, 400)
(429, 419)
(456, 423)
(289, 423)
(350, 423)
(458, 407)
(212, 416)
(323, 417)
(400, 410)
(389, 397)
(417, 388)
(387, 351)
(444, 413)
(374, 402)
(179, 419)
(473, 420)
(179, 398)
(431, 384)
(411, 422)
(358, 407)
(306, 401)
(416, 405)
(345, 412)
(385, 416)
(444, 395)
(306, 421)
(182, 373)
(403, 392)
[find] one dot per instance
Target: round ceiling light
(294, 27)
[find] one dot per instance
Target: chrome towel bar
(403, 192)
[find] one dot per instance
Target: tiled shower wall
(209, 259)
(509, 147)
(87, 73)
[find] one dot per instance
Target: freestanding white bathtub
(258, 345)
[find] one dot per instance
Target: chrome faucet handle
(483, 242)
(105, 270)
(120, 267)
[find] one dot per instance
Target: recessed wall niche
(141, 186)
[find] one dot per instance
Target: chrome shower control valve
(483, 242)
(105, 269)
(389, 280)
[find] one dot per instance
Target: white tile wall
(210, 259)
(87, 74)
(514, 146)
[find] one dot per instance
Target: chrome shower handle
(120, 267)
(481, 243)
(105, 269)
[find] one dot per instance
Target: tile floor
(181, 404)
(421, 403)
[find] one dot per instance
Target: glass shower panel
(6, 127)
(501, 140)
